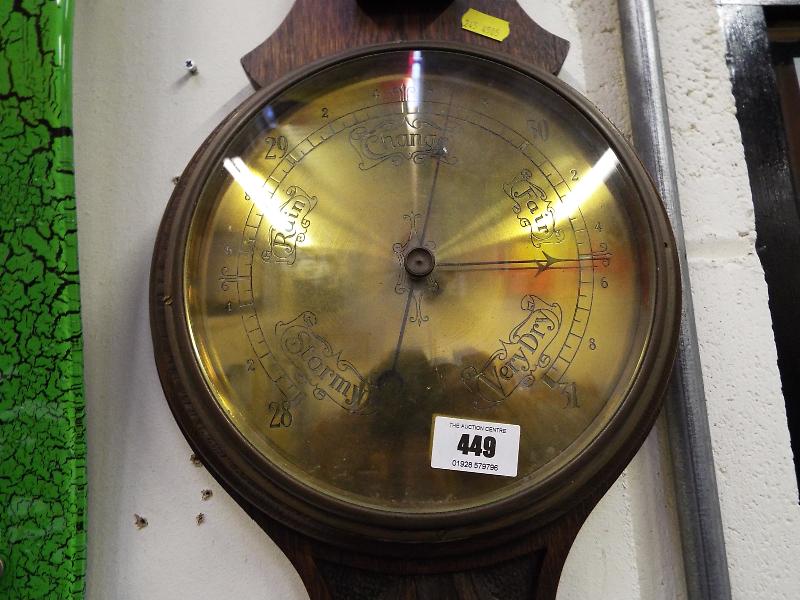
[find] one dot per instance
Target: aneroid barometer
(415, 306)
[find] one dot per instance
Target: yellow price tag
(487, 25)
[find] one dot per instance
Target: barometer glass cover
(412, 233)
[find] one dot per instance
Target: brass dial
(405, 233)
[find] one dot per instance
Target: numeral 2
(281, 415)
(279, 144)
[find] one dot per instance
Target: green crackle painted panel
(42, 436)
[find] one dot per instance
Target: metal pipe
(704, 558)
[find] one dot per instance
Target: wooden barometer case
(415, 302)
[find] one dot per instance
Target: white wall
(138, 119)
(746, 410)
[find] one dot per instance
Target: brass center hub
(420, 262)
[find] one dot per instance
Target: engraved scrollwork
(404, 284)
(533, 209)
(419, 317)
(522, 355)
(400, 138)
(400, 248)
(316, 364)
(291, 228)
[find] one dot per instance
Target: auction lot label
(475, 446)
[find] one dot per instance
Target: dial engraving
(522, 355)
(283, 240)
(428, 233)
(317, 365)
(397, 139)
(533, 209)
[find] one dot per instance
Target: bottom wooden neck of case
(528, 569)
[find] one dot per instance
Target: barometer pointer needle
(422, 238)
(540, 264)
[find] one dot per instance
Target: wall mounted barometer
(415, 306)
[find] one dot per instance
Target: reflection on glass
(332, 358)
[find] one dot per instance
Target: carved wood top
(314, 29)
